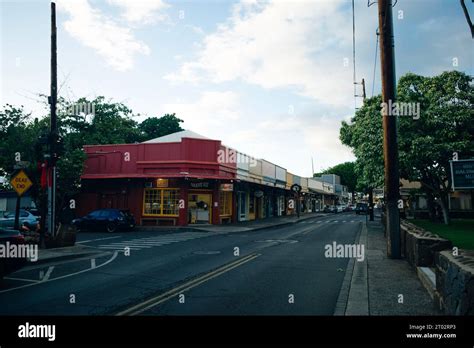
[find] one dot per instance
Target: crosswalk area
(328, 221)
(156, 241)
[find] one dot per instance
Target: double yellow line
(152, 302)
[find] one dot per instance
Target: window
(161, 202)
(170, 202)
(225, 203)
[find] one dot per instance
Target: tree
(444, 125)
(364, 135)
(154, 127)
(347, 173)
(111, 123)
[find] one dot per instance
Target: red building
(176, 179)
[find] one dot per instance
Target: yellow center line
(150, 303)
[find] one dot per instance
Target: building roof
(176, 137)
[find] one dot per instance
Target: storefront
(184, 179)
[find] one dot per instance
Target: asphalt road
(280, 271)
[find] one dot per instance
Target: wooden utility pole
(363, 90)
(390, 144)
(54, 127)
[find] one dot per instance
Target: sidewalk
(245, 226)
(379, 285)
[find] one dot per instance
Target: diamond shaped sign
(20, 182)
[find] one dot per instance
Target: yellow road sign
(21, 183)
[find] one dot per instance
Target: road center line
(153, 302)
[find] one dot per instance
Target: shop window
(161, 202)
(225, 203)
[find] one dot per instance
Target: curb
(353, 298)
(428, 280)
(41, 261)
(258, 228)
(343, 297)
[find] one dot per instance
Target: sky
(273, 79)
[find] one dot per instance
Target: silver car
(7, 219)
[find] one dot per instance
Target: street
(277, 271)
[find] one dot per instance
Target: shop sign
(296, 188)
(227, 187)
(462, 174)
(200, 185)
(161, 182)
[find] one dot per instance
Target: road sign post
(297, 189)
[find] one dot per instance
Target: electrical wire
(353, 54)
(375, 60)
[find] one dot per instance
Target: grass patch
(460, 231)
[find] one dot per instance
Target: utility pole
(390, 145)
(363, 89)
(54, 127)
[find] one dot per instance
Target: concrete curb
(428, 280)
(63, 257)
(353, 297)
(341, 303)
(250, 229)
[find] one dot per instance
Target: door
(242, 204)
(199, 208)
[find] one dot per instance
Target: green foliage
(365, 136)
(426, 144)
(154, 127)
(347, 173)
(112, 123)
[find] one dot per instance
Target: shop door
(200, 206)
(242, 204)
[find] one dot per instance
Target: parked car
(340, 208)
(7, 219)
(362, 208)
(348, 208)
(110, 220)
(10, 265)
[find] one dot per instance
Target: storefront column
(183, 212)
(235, 206)
(215, 205)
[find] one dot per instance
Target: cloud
(112, 41)
(212, 112)
(279, 44)
(141, 12)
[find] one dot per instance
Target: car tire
(111, 227)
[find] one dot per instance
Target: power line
(353, 54)
(375, 60)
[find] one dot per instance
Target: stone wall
(455, 282)
(419, 246)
